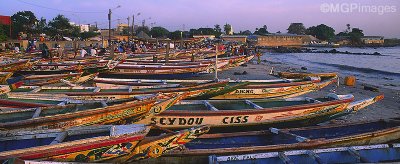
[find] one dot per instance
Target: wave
(363, 70)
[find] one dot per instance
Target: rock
(386, 78)
(376, 53)
(304, 68)
(333, 51)
(371, 88)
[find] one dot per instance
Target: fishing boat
(250, 89)
(272, 140)
(40, 80)
(228, 115)
(8, 88)
(110, 144)
(158, 71)
(14, 65)
(224, 63)
(4, 76)
(381, 153)
(302, 75)
(83, 143)
(66, 117)
(69, 66)
(98, 94)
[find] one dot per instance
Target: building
(204, 36)
(373, 40)
(84, 27)
(234, 38)
(121, 27)
(275, 40)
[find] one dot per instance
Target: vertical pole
(133, 24)
(216, 61)
(128, 29)
(109, 27)
(167, 52)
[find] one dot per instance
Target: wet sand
(388, 108)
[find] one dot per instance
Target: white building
(84, 27)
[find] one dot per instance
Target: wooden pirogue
(129, 112)
(40, 80)
(361, 133)
(228, 115)
(14, 65)
(302, 75)
(158, 71)
(250, 89)
(231, 62)
(69, 66)
(114, 144)
(381, 153)
(96, 93)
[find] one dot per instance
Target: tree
(41, 26)
(297, 28)
(348, 28)
(89, 34)
(217, 28)
(145, 29)
(228, 29)
(261, 31)
(176, 35)
(60, 26)
(355, 35)
(3, 33)
(23, 21)
(247, 32)
(159, 32)
(322, 32)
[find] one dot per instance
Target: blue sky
(241, 14)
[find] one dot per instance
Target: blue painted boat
(361, 133)
(354, 154)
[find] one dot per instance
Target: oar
(298, 138)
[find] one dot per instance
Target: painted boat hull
(317, 137)
(82, 144)
(367, 154)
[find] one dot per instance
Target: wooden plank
(357, 155)
(298, 138)
(36, 90)
(311, 100)
(62, 103)
(60, 137)
(209, 106)
(315, 157)
(97, 89)
(253, 104)
(103, 103)
(284, 158)
(37, 112)
(130, 89)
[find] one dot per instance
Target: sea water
(380, 70)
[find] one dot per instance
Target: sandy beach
(388, 108)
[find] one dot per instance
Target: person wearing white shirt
(83, 52)
(93, 52)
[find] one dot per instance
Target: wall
(279, 40)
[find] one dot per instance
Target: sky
(375, 17)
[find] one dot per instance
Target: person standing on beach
(83, 52)
(16, 49)
(60, 52)
(93, 52)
